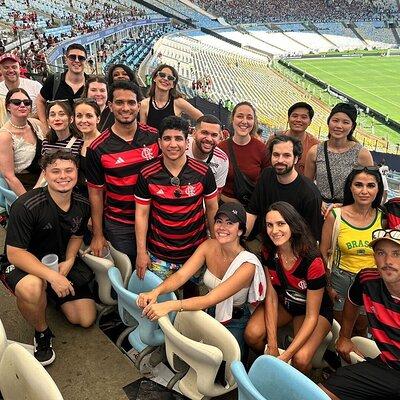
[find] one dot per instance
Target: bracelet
(181, 309)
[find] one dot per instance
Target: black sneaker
(44, 352)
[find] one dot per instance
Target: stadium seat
(207, 347)
(4, 342)
(367, 347)
(100, 267)
(23, 377)
(144, 335)
(273, 379)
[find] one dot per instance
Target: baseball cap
(385, 234)
(9, 56)
(234, 211)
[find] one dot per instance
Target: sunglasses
(75, 57)
(18, 102)
(366, 169)
(64, 150)
(84, 100)
(163, 75)
(52, 102)
(175, 181)
(381, 233)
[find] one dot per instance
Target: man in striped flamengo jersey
(379, 291)
(203, 146)
(114, 160)
(169, 194)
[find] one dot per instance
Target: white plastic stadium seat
(202, 343)
(22, 377)
(367, 347)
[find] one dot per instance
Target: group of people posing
(278, 232)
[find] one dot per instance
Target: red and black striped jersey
(177, 219)
(114, 164)
(383, 313)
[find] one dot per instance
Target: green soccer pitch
(374, 81)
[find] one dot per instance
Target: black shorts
(13, 275)
(369, 380)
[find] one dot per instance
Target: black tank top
(155, 116)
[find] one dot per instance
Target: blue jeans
(237, 327)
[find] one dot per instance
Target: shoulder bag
(333, 254)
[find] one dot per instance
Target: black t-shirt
(302, 194)
(64, 91)
(32, 222)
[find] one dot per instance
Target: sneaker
(44, 352)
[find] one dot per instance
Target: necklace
(163, 107)
(18, 126)
(287, 261)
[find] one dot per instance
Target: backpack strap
(56, 84)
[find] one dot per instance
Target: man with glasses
(378, 290)
(68, 85)
(203, 147)
(113, 162)
(169, 195)
(10, 69)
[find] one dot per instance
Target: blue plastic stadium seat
(273, 379)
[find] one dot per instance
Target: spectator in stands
(360, 216)
(119, 72)
(378, 290)
(259, 135)
(86, 118)
(20, 143)
(96, 88)
(170, 216)
(234, 277)
(50, 221)
(203, 147)
(330, 163)
(296, 290)
(10, 69)
(384, 170)
(282, 182)
(61, 134)
(300, 116)
(164, 99)
(114, 160)
(68, 85)
(248, 153)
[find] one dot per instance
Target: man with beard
(282, 182)
(44, 221)
(114, 160)
(203, 147)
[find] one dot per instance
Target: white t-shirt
(219, 163)
(32, 87)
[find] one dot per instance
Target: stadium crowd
(258, 224)
(294, 11)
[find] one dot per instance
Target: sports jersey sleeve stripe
(211, 195)
(140, 200)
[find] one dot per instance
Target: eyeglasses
(18, 102)
(175, 181)
(75, 57)
(163, 75)
(381, 233)
(373, 168)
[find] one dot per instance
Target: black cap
(234, 211)
(347, 109)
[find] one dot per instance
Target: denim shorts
(341, 282)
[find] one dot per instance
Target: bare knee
(30, 289)
(83, 315)
(254, 334)
(302, 362)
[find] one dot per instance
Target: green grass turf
(374, 81)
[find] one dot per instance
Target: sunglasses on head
(18, 102)
(52, 102)
(163, 75)
(360, 168)
(381, 233)
(175, 181)
(84, 100)
(53, 150)
(75, 57)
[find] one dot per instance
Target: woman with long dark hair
(329, 163)
(20, 143)
(359, 217)
(296, 290)
(164, 99)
